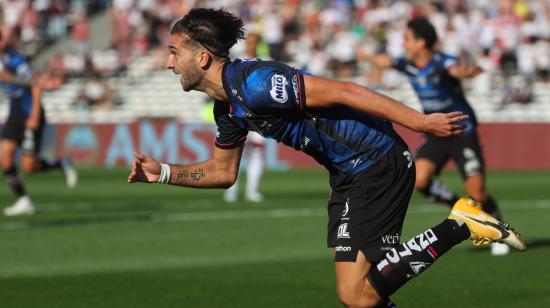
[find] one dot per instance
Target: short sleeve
(275, 87)
(449, 61)
(399, 64)
(21, 68)
(230, 133)
(23, 71)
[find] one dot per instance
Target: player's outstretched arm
(218, 172)
(379, 60)
(322, 93)
(462, 71)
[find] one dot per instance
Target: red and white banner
(505, 146)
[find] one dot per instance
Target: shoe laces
(481, 240)
(476, 204)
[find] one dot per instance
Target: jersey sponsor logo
(343, 231)
(390, 239)
(295, 86)
(236, 94)
(343, 248)
(421, 81)
(265, 124)
(278, 88)
(305, 143)
(417, 243)
(346, 209)
(355, 162)
(409, 158)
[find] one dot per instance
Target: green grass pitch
(111, 244)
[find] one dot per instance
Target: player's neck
(212, 83)
(423, 58)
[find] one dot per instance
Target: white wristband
(164, 177)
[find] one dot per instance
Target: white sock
(231, 192)
(254, 170)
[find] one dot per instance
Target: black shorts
(367, 215)
(465, 151)
(29, 140)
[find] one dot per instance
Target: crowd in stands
(503, 36)
(44, 21)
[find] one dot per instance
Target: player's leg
(31, 161)
(352, 285)
(431, 157)
(468, 156)
(370, 262)
(231, 194)
(23, 205)
(469, 159)
(255, 167)
(475, 187)
(9, 149)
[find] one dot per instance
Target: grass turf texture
(110, 244)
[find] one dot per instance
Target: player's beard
(190, 79)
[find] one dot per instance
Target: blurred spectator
(12, 11)
(81, 32)
(96, 93)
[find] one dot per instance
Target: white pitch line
(288, 213)
(230, 215)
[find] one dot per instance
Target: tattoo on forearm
(195, 175)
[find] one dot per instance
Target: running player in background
(435, 78)
(254, 170)
(341, 125)
(25, 123)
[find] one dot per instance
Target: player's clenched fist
(144, 169)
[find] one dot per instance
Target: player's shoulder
(402, 64)
(13, 57)
(263, 84)
(255, 70)
(444, 59)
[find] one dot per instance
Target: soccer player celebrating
(345, 128)
(24, 125)
(435, 77)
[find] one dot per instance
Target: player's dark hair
(215, 30)
(423, 29)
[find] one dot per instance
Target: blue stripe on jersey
(268, 97)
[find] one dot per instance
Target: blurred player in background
(341, 125)
(255, 144)
(435, 77)
(254, 170)
(24, 126)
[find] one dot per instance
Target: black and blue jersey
(269, 98)
(437, 90)
(20, 96)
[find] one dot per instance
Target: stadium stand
(320, 36)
